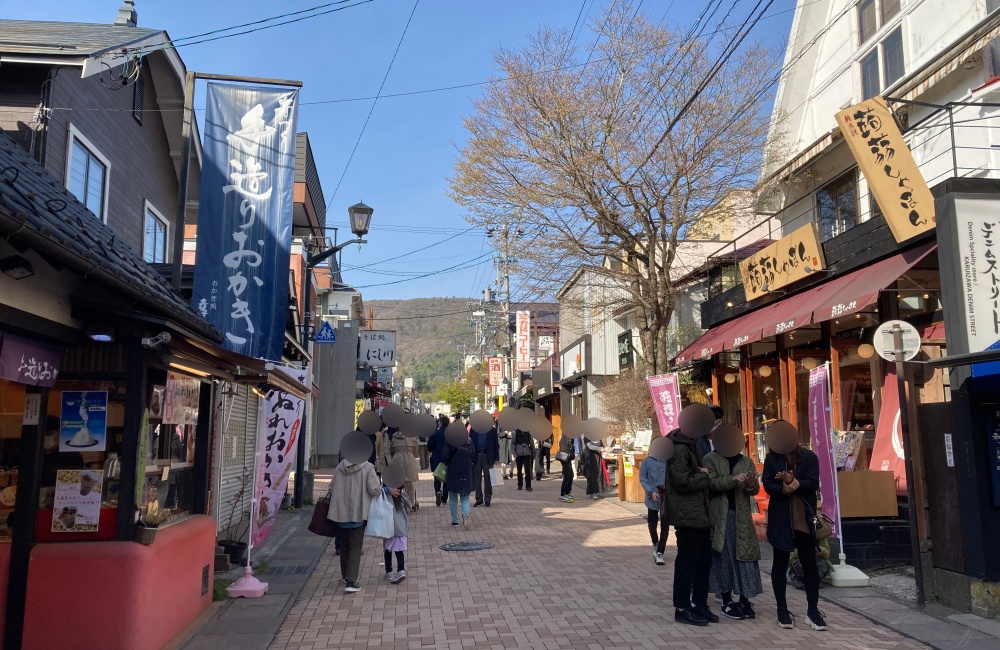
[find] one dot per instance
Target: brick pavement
(577, 576)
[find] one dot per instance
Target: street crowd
(696, 479)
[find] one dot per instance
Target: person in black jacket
(524, 451)
(792, 480)
(435, 446)
(485, 455)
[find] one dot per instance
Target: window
(837, 206)
(87, 174)
(154, 243)
(873, 15)
(138, 88)
(881, 67)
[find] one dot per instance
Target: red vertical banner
(821, 435)
(666, 393)
(887, 454)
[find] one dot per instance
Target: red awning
(839, 297)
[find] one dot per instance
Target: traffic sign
(885, 343)
(326, 334)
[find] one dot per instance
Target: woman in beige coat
(351, 491)
(403, 450)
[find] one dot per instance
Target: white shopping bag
(496, 476)
(380, 518)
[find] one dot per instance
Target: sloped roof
(37, 211)
(67, 39)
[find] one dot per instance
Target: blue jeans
(453, 498)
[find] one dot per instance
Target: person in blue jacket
(435, 447)
(652, 475)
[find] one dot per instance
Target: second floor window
(881, 67)
(837, 206)
(154, 245)
(87, 175)
(873, 15)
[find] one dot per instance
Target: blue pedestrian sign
(326, 334)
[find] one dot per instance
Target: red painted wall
(119, 595)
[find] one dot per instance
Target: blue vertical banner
(245, 216)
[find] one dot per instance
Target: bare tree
(626, 399)
(594, 162)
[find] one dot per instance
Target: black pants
(400, 561)
(806, 547)
(481, 472)
(593, 478)
(567, 475)
(545, 459)
(692, 566)
(351, 540)
(654, 520)
(524, 471)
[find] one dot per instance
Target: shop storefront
(109, 382)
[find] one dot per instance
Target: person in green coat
(732, 484)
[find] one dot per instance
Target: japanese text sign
(496, 371)
(245, 216)
(782, 263)
(524, 340)
(888, 165)
(666, 393)
(28, 362)
(377, 347)
(181, 399)
(278, 430)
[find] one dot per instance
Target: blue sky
(408, 149)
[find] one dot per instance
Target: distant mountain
(429, 333)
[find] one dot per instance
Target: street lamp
(361, 217)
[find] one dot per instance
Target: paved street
(561, 575)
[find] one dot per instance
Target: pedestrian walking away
(403, 450)
(506, 461)
(524, 451)
(652, 477)
(435, 446)
(687, 492)
(459, 480)
(397, 543)
(732, 484)
(351, 490)
(791, 480)
(566, 456)
(486, 455)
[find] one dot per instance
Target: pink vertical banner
(666, 393)
(822, 442)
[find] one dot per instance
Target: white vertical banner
(524, 340)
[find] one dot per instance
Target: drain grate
(466, 546)
(287, 570)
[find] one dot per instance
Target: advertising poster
(523, 340)
(887, 454)
(83, 421)
(77, 501)
(496, 371)
(181, 399)
(822, 441)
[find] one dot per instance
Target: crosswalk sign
(326, 334)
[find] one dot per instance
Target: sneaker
(477, 504)
(528, 489)
(466, 522)
(572, 498)
(690, 617)
(785, 620)
(437, 499)
(659, 559)
(567, 498)
(352, 587)
(454, 523)
(519, 487)
(654, 551)
(816, 620)
(389, 576)
(733, 611)
(398, 578)
(594, 497)
(747, 608)
(487, 504)
(707, 614)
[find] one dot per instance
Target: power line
(463, 265)
(422, 248)
(372, 109)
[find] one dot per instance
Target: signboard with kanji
(377, 347)
(496, 371)
(788, 260)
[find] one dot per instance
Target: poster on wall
(887, 453)
(83, 423)
(181, 399)
(77, 501)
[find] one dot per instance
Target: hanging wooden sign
(888, 165)
(788, 260)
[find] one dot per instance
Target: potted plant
(149, 522)
(236, 529)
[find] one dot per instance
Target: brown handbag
(319, 524)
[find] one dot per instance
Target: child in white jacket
(397, 543)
